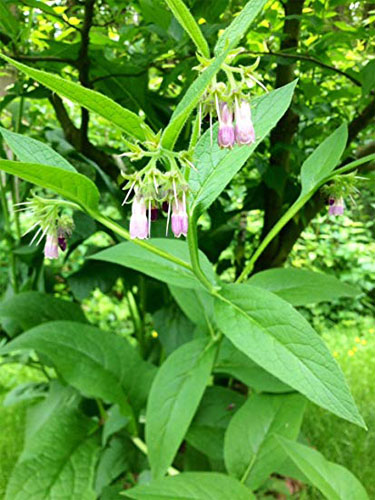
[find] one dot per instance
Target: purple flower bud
(165, 206)
(244, 129)
(179, 218)
(225, 136)
(154, 213)
(336, 206)
(51, 249)
(61, 240)
(138, 219)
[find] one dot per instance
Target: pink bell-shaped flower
(139, 227)
(244, 129)
(179, 217)
(51, 248)
(336, 206)
(225, 136)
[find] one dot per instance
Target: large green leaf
(30, 309)
(189, 102)
(131, 255)
(251, 451)
(187, 21)
(174, 398)
(323, 160)
(192, 486)
(32, 151)
(99, 364)
(236, 364)
(274, 335)
(126, 120)
(59, 457)
(300, 287)
(333, 480)
(238, 28)
(71, 185)
(216, 167)
(197, 304)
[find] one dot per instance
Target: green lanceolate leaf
(187, 21)
(174, 398)
(7, 20)
(71, 185)
(192, 486)
(99, 364)
(216, 167)
(333, 480)
(323, 160)
(30, 309)
(197, 304)
(250, 450)
(131, 255)
(32, 151)
(235, 363)
(126, 120)
(189, 102)
(300, 287)
(59, 457)
(274, 335)
(238, 28)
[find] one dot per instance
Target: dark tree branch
(84, 65)
(282, 135)
(66, 60)
(73, 136)
(313, 60)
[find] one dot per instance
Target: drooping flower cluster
(343, 187)
(56, 228)
(242, 132)
(154, 190)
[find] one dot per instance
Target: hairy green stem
(297, 205)
(194, 255)
(106, 221)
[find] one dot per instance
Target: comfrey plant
(214, 372)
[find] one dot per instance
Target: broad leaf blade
(236, 364)
(126, 120)
(250, 450)
(131, 255)
(192, 486)
(174, 398)
(71, 185)
(189, 102)
(99, 364)
(333, 480)
(300, 287)
(238, 28)
(59, 459)
(187, 21)
(32, 151)
(323, 160)
(216, 167)
(30, 309)
(274, 335)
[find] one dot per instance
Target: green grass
(338, 440)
